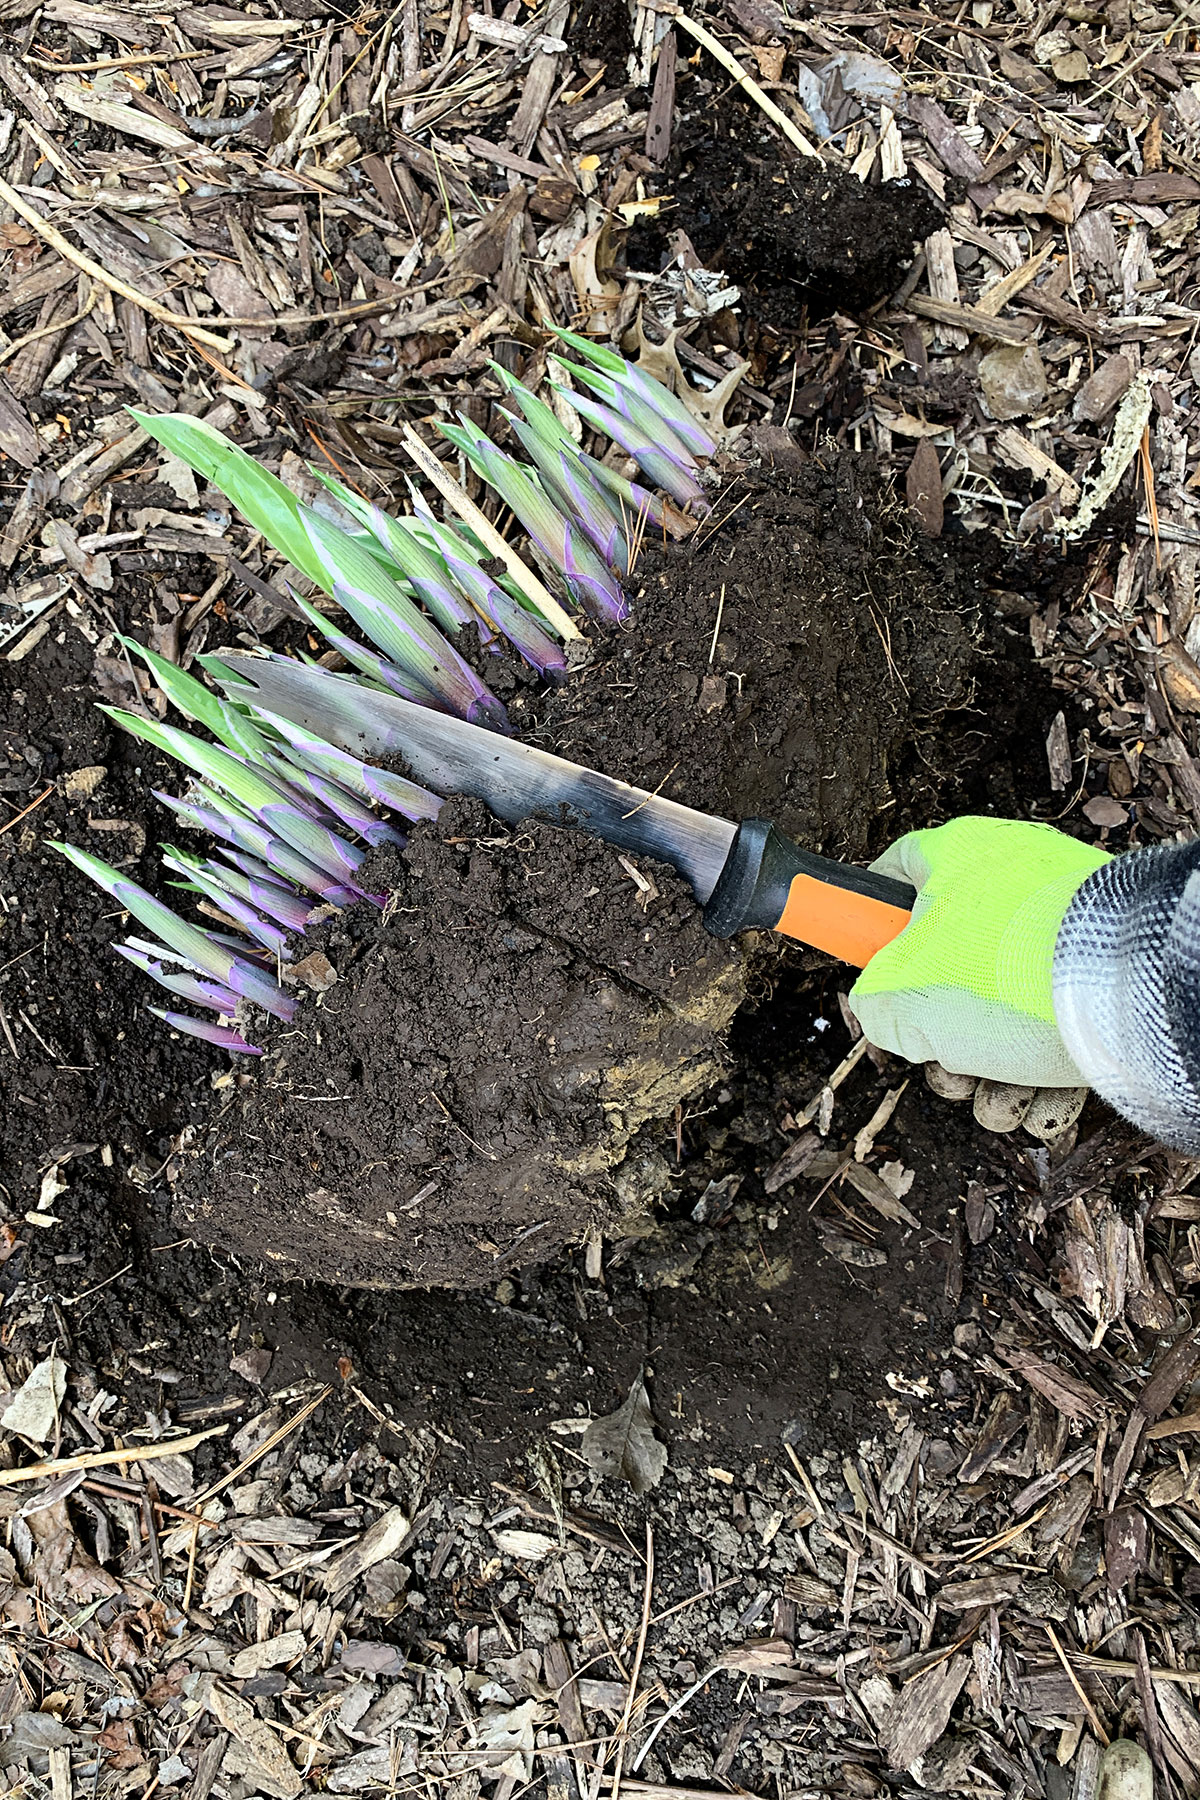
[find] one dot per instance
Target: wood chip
(922, 1711)
(274, 1770)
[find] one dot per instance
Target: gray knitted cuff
(1127, 988)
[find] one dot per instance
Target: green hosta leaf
(209, 761)
(195, 947)
(381, 608)
(234, 728)
(259, 496)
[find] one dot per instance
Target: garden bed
(281, 1519)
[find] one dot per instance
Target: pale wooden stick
(1075, 1682)
(54, 237)
(730, 63)
(285, 1430)
(457, 497)
(100, 1459)
(635, 1672)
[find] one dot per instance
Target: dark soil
(787, 663)
(737, 1305)
(452, 1109)
(802, 238)
(86, 1069)
(487, 1053)
(602, 30)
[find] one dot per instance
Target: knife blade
(745, 875)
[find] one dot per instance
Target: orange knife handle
(769, 883)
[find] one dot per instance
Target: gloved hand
(1036, 961)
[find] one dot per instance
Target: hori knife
(746, 876)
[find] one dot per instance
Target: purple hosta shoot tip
(196, 947)
(201, 879)
(321, 846)
(497, 609)
(521, 628)
(595, 587)
(223, 1036)
(262, 887)
(261, 793)
(182, 983)
(384, 612)
(348, 809)
(207, 811)
(281, 903)
(629, 500)
(404, 634)
(369, 662)
(615, 373)
(574, 494)
(377, 785)
(589, 505)
(562, 543)
(659, 465)
(422, 567)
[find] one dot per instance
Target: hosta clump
(286, 809)
(412, 583)
(294, 817)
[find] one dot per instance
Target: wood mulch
(311, 227)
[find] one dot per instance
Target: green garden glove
(1038, 961)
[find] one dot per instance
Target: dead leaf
(624, 1444)
(272, 1654)
(852, 1251)
(315, 970)
(508, 1733)
(923, 485)
(878, 1194)
(252, 1365)
(1105, 812)
(525, 1546)
(33, 1410)
(81, 784)
(1071, 68)
(119, 1746)
(770, 59)
(792, 1164)
(1058, 753)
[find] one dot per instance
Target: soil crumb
(603, 31)
(800, 237)
(454, 1106)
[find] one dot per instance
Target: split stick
(742, 76)
(100, 1459)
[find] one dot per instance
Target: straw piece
(456, 497)
(100, 1459)
(730, 63)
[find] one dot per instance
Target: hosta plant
(294, 817)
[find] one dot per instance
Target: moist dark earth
(843, 638)
(802, 238)
(450, 1109)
